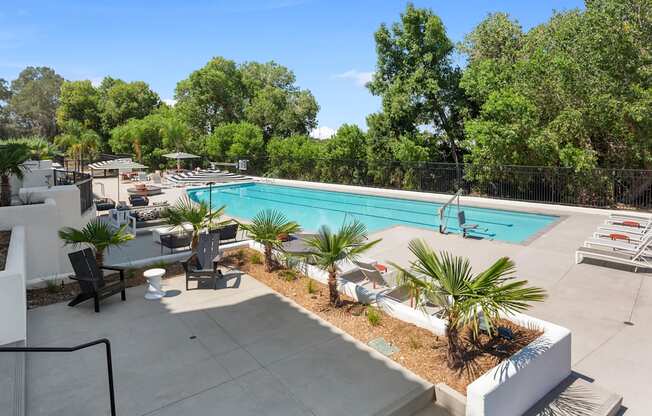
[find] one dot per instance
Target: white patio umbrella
(180, 155)
(122, 165)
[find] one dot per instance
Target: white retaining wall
(46, 256)
(13, 309)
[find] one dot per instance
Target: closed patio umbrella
(180, 155)
(122, 164)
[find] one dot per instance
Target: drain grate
(383, 347)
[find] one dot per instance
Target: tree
(417, 80)
(233, 141)
(175, 133)
(39, 148)
(266, 228)
(78, 142)
(97, 233)
(12, 157)
(466, 298)
(211, 95)
(571, 92)
(197, 214)
(121, 101)
(79, 101)
(293, 157)
(5, 95)
(341, 154)
(34, 100)
(273, 101)
(328, 250)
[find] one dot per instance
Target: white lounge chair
(636, 259)
(618, 245)
(636, 231)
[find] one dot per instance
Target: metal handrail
(109, 362)
(443, 219)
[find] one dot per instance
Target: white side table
(153, 277)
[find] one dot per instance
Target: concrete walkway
(239, 350)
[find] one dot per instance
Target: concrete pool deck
(239, 350)
(591, 300)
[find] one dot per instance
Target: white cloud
(322, 133)
(170, 101)
(96, 81)
(361, 78)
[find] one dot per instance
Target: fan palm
(12, 157)
(266, 227)
(197, 214)
(78, 142)
(174, 133)
(98, 234)
(327, 250)
(466, 298)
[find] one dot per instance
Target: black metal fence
(83, 181)
(603, 188)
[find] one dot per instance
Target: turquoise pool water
(313, 208)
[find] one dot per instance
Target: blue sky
(327, 43)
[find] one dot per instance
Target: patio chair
(175, 240)
(227, 232)
(104, 204)
(91, 279)
(203, 262)
(138, 200)
(464, 226)
(636, 259)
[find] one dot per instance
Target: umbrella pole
(178, 165)
(118, 201)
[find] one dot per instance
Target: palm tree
(466, 298)
(327, 249)
(98, 234)
(197, 214)
(174, 132)
(78, 141)
(12, 157)
(266, 228)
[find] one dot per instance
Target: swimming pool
(313, 208)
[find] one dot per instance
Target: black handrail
(109, 362)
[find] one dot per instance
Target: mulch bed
(419, 350)
(5, 237)
(56, 291)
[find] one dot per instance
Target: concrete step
(12, 381)
(577, 396)
(411, 403)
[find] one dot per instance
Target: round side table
(153, 277)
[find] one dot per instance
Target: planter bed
(419, 350)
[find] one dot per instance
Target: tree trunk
(5, 191)
(268, 258)
(194, 242)
(99, 257)
(333, 294)
(454, 356)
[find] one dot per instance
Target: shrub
(240, 255)
(52, 286)
(414, 343)
(373, 316)
(289, 275)
(256, 259)
(311, 286)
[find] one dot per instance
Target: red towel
(631, 223)
(381, 268)
(619, 237)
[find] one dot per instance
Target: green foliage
(311, 286)
(289, 275)
(78, 142)
(466, 299)
(256, 258)
(32, 102)
(374, 316)
(327, 250)
(39, 148)
(416, 79)
(12, 156)
(79, 101)
(566, 93)
(341, 154)
(233, 141)
(53, 286)
(123, 101)
(293, 157)
(98, 234)
(197, 214)
(266, 227)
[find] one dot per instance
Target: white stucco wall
(13, 310)
(46, 256)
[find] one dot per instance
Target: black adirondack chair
(202, 263)
(91, 279)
